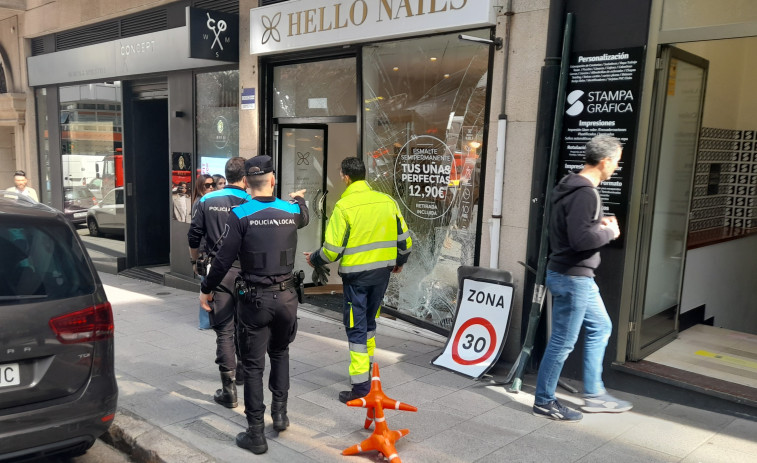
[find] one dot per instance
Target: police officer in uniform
(263, 233)
(209, 221)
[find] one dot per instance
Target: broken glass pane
(424, 113)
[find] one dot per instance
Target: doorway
(679, 98)
(147, 178)
(310, 156)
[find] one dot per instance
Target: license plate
(10, 375)
(79, 215)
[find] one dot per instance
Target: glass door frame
(636, 349)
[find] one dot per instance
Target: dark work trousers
(361, 306)
(223, 320)
(266, 324)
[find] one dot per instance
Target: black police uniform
(263, 233)
(209, 222)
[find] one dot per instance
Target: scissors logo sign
(218, 27)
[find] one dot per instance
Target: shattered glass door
(424, 115)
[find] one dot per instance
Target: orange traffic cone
(377, 395)
(382, 439)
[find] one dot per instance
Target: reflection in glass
(217, 123)
(43, 143)
(91, 137)
(424, 113)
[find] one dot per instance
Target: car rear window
(42, 260)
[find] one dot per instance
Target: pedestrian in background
(368, 233)
(577, 229)
(182, 206)
(220, 181)
(207, 230)
(203, 184)
(263, 233)
(20, 185)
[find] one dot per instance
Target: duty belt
(282, 286)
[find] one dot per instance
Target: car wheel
(94, 230)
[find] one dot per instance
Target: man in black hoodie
(577, 230)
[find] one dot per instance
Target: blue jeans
(575, 303)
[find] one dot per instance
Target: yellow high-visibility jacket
(367, 231)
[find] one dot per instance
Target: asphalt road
(99, 453)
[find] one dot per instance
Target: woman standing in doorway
(203, 184)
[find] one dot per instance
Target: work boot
(358, 390)
(239, 378)
(279, 415)
(253, 439)
(227, 395)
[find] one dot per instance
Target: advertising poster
(422, 176)
(603, 96)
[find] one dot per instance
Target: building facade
(453, 105)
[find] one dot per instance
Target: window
(41, 260)
(424, 113)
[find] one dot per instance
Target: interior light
(446, 76)
(395, 68)
(433, 58)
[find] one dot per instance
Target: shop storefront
(128, 121)
(407, 91)
(669, 78)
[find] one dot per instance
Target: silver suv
(58, 389)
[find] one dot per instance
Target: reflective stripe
(369, 247)
(362, 348)
(380, 420)
(404, 236)
(332, 248)
(323, 255)
(371, 334)
(361, 378)
(352, 316)
(371, 266)
(403, 251)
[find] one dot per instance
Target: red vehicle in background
(113, 171)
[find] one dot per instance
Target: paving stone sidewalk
(167, 376)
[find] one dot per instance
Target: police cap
(258, 165)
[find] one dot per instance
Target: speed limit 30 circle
(477, 344)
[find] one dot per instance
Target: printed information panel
(477, 339)
(603, 96)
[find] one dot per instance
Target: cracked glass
(424, 112)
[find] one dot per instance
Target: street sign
(481, 322)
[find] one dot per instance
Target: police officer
(368, 233)
(263, 232)
(209, 221)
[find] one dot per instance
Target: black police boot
(239, 378)
(254, 438)
(227, 396)
(279, 415)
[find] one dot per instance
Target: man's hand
(611, 222)
(307, 258)
(300, 193)
(397, 269)
(204, 299)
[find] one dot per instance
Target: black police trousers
(267, 323)
(223, 319)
